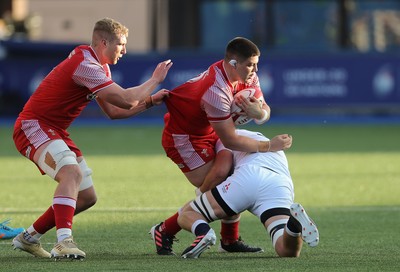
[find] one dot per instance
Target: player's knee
(86, 199)
(276, 230)
(87, 195)
(70, 175)
(87, 181)
(275, 221)
(90, 201)
(182, 218)
(283, 250)
(85, 203)
(57, 155)
(202, 206)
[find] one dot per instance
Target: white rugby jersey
(274, 161)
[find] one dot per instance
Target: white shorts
(256, 189)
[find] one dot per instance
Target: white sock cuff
(31, 229)
(33, 234)
(61, 200)
(63, 233)
(291, 233)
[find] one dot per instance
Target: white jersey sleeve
(275, 161)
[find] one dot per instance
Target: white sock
(32, 235)
(63, 233)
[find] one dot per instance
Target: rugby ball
(241, 119)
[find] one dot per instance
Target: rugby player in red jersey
(199, 113)
(40, 131)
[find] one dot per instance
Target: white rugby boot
(200, 244)
(67, 249)
(34, 248)
(309, 231)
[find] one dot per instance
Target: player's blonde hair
(108, 29)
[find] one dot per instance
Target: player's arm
(226, 132)
(114, 112)
(131, 97)
(219, 171)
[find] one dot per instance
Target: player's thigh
(238, 192)
(57, 160)
(39, 151)
(276, 191)
(196, 177)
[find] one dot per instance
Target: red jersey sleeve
(90, 74)
(217, 104)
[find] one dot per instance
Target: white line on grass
(127, 209)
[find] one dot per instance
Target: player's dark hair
(241, 48)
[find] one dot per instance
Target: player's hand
(161, 70)
(159, 97)
(251, 107)
(280, 142)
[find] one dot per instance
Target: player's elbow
(127, 104)
(122, 101)
(113, 117)
(111, 113)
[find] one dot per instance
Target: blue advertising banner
(349, 80)
(339, 81)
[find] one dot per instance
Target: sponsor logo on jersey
(226, 187)
(91, 96)
(205, 152)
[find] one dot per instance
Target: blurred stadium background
(322, 60)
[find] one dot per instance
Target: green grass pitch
(346, 176)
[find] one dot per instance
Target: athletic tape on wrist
(263, 119)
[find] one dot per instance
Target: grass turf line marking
(132, 209)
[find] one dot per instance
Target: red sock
(229, 232)
(45, 222)
(171, 226)
(64, 209)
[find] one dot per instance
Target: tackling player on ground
(261, 183)
(40, 131)
(199, 113)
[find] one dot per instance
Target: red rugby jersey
(67, 89)
(203, 99)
